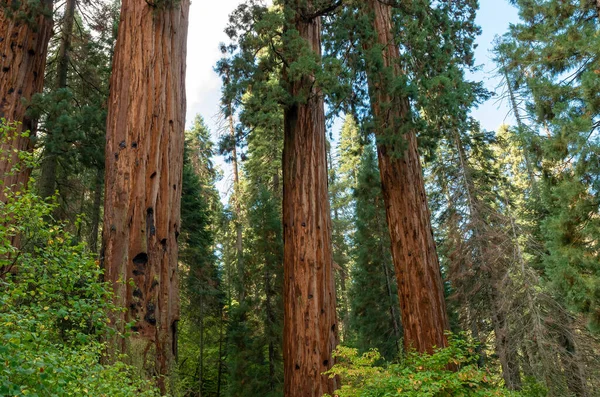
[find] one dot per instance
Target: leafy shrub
(418, 375)
(54, 310)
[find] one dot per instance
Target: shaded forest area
(411, 253)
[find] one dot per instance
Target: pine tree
(373, 295)
(144, 159)
(50, 162)
(552, 53)
(202, 295)
(403, 82)
(72, 114)
(343, 168)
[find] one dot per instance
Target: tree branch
(332, 7)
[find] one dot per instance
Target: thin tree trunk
(270, 323)
(96, 208)
(220, 365)
(507, 351)
(239, 247)
(201, 364)
(575, 379)
(382, 228)
(521, 127)
(420, 288)
(310, 325)
(23, 49)
(144, 161)
(339, 257)
(49, 164)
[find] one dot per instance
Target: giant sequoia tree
(144, 155)
(25, 29)
(420, 289)
(310, 326)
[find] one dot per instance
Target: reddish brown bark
(420, 287)
(310, 326)
(144, 161)
(23, 49)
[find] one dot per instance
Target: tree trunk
(491, 276)
(271, 319)
(507, 351)
(521, 128)
(49, 164)
(220, 365)
(420, 288)
(310, 325)
(98, 187)
(576, 381)
(239, 247)
(144, 161)
(23, 50)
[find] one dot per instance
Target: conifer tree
(310, 330)
(50, 162)
(373, 297)
(202, 295)
(144, 159)
(72, 113)
(343, 168)
(553, 53)
(407, 83)
(413, 248)
(25, 30)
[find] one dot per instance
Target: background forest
(373, 239)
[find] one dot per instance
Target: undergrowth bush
(54, 310)
(420, 375)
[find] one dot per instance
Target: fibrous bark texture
(23, 49)
(144, 160)
(310, 327)
(420, 287)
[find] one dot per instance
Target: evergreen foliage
(550, 58)
(373, 295)
(201, 341)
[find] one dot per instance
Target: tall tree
(202, 297)
(343, 165)
(420, 288)
(373, 296)
(552, 54)
(50, 160)
(25, 30)
(310, 325)
(144, 156)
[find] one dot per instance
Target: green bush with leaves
(54, 309)
(449, 372)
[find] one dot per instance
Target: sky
(208, 20)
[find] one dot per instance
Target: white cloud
(208, 20)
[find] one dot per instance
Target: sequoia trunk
(144, 161)
(420, 288)
(23, 49)
(310, 327)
